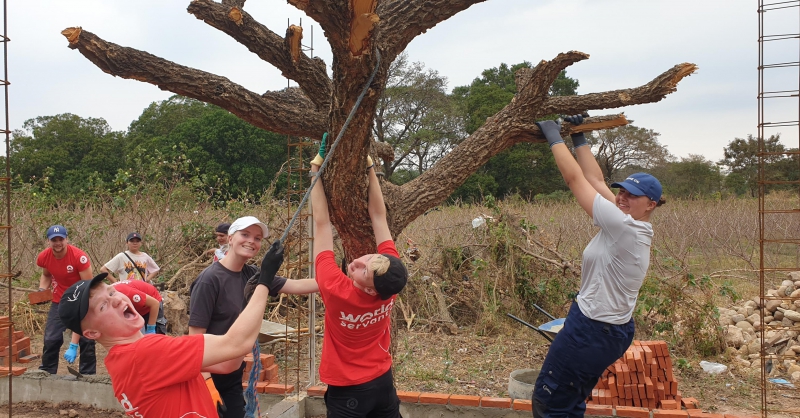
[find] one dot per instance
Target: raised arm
(323, 233)
(569, 168)
(587, 162)
(243, 333)
(376, 207)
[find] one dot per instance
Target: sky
(629, 42)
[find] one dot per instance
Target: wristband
(41, 289)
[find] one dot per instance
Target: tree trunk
(322, 104)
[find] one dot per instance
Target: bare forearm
(45, 281)
(376, 206)
(243, 332)
(300, 287)
(319, 202)
(591, 170)
(110, 276)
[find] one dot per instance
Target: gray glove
(552, 131)
(578, 139)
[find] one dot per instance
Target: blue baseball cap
(56, 231)
(642, 184)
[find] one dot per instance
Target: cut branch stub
(294, 36)
(363, 20)
(236, 16)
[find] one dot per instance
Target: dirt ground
(67, 409)
(478, 365)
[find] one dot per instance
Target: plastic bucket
(521, 383)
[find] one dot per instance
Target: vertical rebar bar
(8, 204)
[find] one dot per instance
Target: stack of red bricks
(16, 349)
(268, 378)
(642, 377)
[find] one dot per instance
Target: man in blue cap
(62, 265)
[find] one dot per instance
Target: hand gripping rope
(252, 408)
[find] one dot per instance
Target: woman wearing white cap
(599, 326)
(217, 298)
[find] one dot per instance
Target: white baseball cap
(245, 222)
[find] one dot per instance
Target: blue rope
(252, 407)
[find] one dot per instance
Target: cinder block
(465, 400)
(525, 405)
(434, 398)
(496, 403)
(408, 397)
(317, 391)
(632, 412)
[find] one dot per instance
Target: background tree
(417, 118)
(692, 176)
(363, 35)
(525, 168)
(68, 153)
(741, 159)
(627, 149)
(230, 157)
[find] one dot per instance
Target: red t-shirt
(159, 376)
(65, 271)
(137, 291)
(355, 347)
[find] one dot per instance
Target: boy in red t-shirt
(62, 265)
(356, 363)
(168, 384)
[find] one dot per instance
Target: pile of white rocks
(742, 325)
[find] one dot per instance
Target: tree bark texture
(322, 103)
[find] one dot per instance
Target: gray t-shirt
(614, 264)
(217, 297)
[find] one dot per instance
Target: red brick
(668, 404)
(317, 391)
(697, 413)
(669, 413)
(522, 405)
(267, 360)
(409, 397)
(278, 388)
(434, 398)
(599, 410)
(690, 403)
(16, 371)
(29, 358)
(465, 400)
(261, 387)
(271, 373)
(741, 416)
(43, 296)
(244, 386)
(496, 402)
(633, 412)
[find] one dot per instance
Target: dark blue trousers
(577, 358)
(54, 339)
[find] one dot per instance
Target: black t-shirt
(217, 297)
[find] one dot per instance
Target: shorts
(374, 399)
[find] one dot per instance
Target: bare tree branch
(651, 92)
(334, 18)
(309, 73)
(233, 3)
(516, 123)
(404, 20)
(287, 111)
